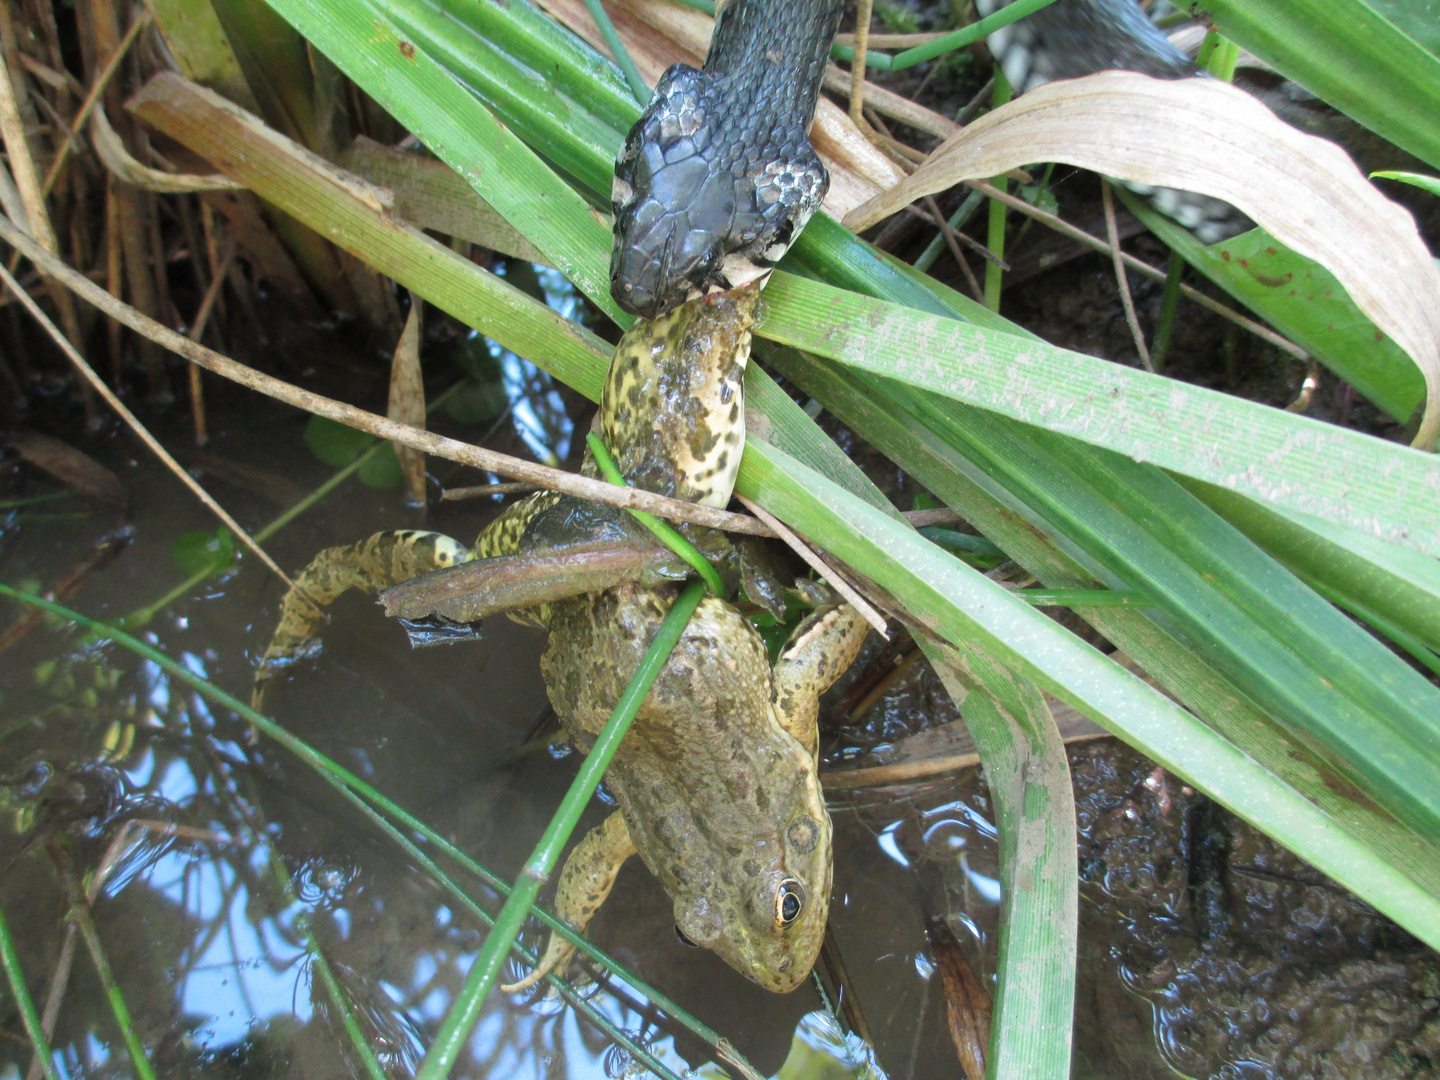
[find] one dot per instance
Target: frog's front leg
(818, 652)
(380, 560)
(584, 884)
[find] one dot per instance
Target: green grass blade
(24, 1002)
(1029, 780)
(959, 604)
(1400, 585)
(1270, 454)
(459, 1022)
(1349, 55)
(1181, 668)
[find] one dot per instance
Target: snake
(717, 178)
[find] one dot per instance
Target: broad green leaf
(1348, 54)
(1302, 300)
(334, 443)
(1268, 453)
(957, 603)
(203, 552)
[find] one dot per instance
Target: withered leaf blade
(407, 399)
(471, 591)
(1207, 136)
(966, 1002)
(70, 466)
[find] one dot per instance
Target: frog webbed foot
(375, 562)
(585, 882)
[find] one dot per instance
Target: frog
(717, 781)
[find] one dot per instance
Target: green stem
(341, 1000)
(667, 533)
(465, 1011)
(618, 51)
(967, 34)
(581, 1004)
(1169, 304)
(353, 789)
(22, 997)
(80, 915)
(995, 239)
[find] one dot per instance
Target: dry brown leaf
(117, 159)
(407, 400)
(966, 1003)
(1204, 135)
(70, 466)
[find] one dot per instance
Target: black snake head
(714, 183)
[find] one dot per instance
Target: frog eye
(681, 935)
(789, 902)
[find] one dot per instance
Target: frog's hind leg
(584, 884)
(383, 559)
(817, 653)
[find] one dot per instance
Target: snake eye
(681, 935)
(789, 902)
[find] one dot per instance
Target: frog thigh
(381, 560)
(584, 884)
(818, 652)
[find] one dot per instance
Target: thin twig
(893, 105)
(953, 243)
(934, 217)
(820, 566)
(1112, 232)
(32, 197)
(435, 445)
(382, 427)
(857, 65)
(1064, 227)
(197, 331)
(891, 41)
(481, 490)
(1307, 389)
(22, 164)
(976, 103)
(115, 403)
(101, 82)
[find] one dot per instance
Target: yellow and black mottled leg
(818, 652)
(584, 884)
(386, 558)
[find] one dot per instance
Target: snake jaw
(718, 175)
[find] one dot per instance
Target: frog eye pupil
(681, 935)
(789, 901)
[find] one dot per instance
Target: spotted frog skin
(717, 780)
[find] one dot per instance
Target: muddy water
(221, 851)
